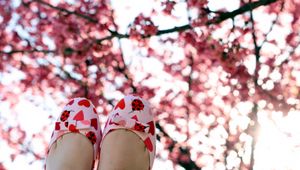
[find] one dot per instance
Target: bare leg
(123, 150)
(72, 151)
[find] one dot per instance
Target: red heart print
(148, 144)
(120, 105)
(152, 128)
(94, 123)
(72, 128)
(95, 111)
(57, 126)
(71, 102)
(135, 118)
(79, 116)
(84, 102)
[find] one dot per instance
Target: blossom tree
(209, 79)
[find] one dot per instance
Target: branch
(253, 114)
(252, 130)
(189, 164)
(222, 17)
(247, 7)
(189, 93)
(115, 34)
(190, 80)
(272, 25)
(257, 49)
(122, 68)
(86, 17)
(27, 51)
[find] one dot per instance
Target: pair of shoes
(131, 112)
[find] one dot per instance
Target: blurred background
(223, 77)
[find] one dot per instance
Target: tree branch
(83, 16)
(257, 49)
(247, 7)
(222, 17)
(122, 68)
(253, 115)
(251, 130)
(189, 164)
(219, 19)
(272, 25)
(27, 51)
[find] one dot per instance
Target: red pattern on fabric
(152, 128)
(71, 102)
(112, 123)
(94, 123)
(91, 136)
(135, 118)
(79, 116)
(57, 126)
(65, 115)
(84, 102)
(72, 128)
(120, 105)
(137, 105)
(139, 127)
(148, 144)
(95, 111)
